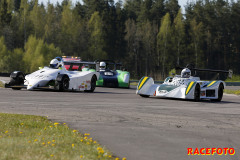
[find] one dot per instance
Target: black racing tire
(16, 88)
(220, 93)
(93, 84)
(144, 96)
(17, 80)
(197, 93)
(63, 85)
(128, 85)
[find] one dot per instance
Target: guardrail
(5, 74)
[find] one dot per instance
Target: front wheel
(17, 79)
(14, 82)
(220, 93)
(197, 93)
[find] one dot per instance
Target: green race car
(111, 75)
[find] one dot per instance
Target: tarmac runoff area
(134, 127)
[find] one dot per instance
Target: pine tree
(163, 42)
(5, 14)
(179, 33)
(97, 43)
(196, 35)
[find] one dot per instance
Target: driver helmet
(102, 65)
(186, 73)
(54, 64)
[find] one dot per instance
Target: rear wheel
(220, 93)
(93, 84)
(197, 93)
(63, 85)
(128, 85)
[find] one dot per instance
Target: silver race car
(56, 77)
(183, 86)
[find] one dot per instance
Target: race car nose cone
(32, 84)
(30, 87)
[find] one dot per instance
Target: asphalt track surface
(134, 127)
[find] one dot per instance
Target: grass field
(33, 137)
(235, 78)
(1, 84)
(228, 91)
(134, 83)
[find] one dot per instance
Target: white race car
(55, 77)
(183, 86)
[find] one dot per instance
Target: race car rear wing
(192, 68)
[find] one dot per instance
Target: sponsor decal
(163, 91)
(211, 151)
(88, 81)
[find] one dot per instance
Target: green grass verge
(35, 137)
(228, 91)
(235, 78)
(1, 84)
(134, 83)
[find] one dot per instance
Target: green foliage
(11, 60)
(37, 18)
(196, 34)
(164, 43)
(37, 53)
(172, 73)
(3, 54)
(179, 32)
(5, 15)
(95, 26)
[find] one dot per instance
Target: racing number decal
(141, 83)
(189, 87)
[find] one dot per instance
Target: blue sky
(181, 2)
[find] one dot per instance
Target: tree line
(150, 37)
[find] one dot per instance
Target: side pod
(146, 87)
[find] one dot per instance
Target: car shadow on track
(76, 92)
(192, 101)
